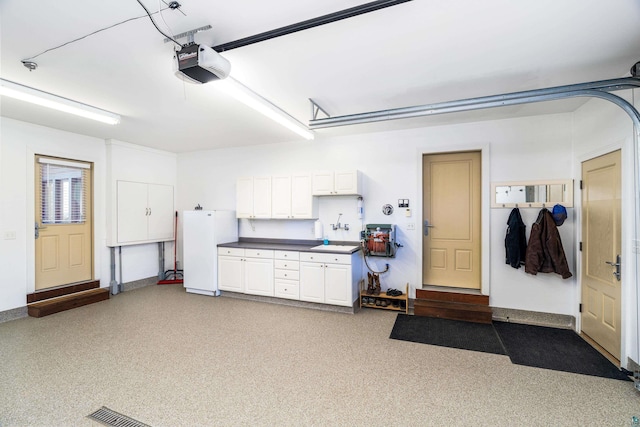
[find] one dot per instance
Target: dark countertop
(288, 245)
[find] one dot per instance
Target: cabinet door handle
(149, 211)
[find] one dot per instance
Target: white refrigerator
(202, 232)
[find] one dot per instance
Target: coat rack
(532, 194)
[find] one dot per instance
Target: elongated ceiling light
(45, 99)
(251, 99)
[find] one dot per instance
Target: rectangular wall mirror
(532, 194)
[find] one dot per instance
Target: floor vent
(108, 417)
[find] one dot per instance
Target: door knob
(38, 227)
(427, 226)
(616, 265)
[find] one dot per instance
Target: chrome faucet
(338, 226)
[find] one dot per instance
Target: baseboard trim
(129, 286)
(13, 314)
(290, 302)
(563, 321)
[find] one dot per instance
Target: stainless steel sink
(336, 248)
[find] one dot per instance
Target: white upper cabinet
(161, 212)
(253, 197)
(144, 212)
(292, 198)
(281, 196)
(244, 197)
(140, 190)
(336, 183)
(303, 204)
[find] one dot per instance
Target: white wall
(19, 142)
(519, 149)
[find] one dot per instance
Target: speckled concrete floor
(168, 358)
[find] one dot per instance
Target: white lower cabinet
(329, 278)
(312, 283)
(287, 274)
(248, 271)
(230, 273)
(306, 276)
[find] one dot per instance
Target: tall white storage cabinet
(202, 232)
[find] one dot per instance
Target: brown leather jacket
(544, 251)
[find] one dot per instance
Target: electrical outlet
(9, 235)
(411, 226)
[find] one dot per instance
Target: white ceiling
(414, 53)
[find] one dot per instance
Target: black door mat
(447, 333)
(556, 349)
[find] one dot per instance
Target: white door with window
(63, 228)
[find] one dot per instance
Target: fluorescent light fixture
(45, 99)
(251, 99)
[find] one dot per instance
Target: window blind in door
(64, 189)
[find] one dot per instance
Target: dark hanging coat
(544, 251)
(515, 242)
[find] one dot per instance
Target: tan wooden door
(64, 241)
(451, 220)
(601, 289)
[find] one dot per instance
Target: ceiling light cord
(155, 25)
(26, 60)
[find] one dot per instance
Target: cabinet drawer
(258, 253)
(287, 274)
(287, 289)
(295, 255)
(231, 251)
(326, 258)
(287, 265)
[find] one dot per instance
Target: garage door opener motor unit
(197, 63)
